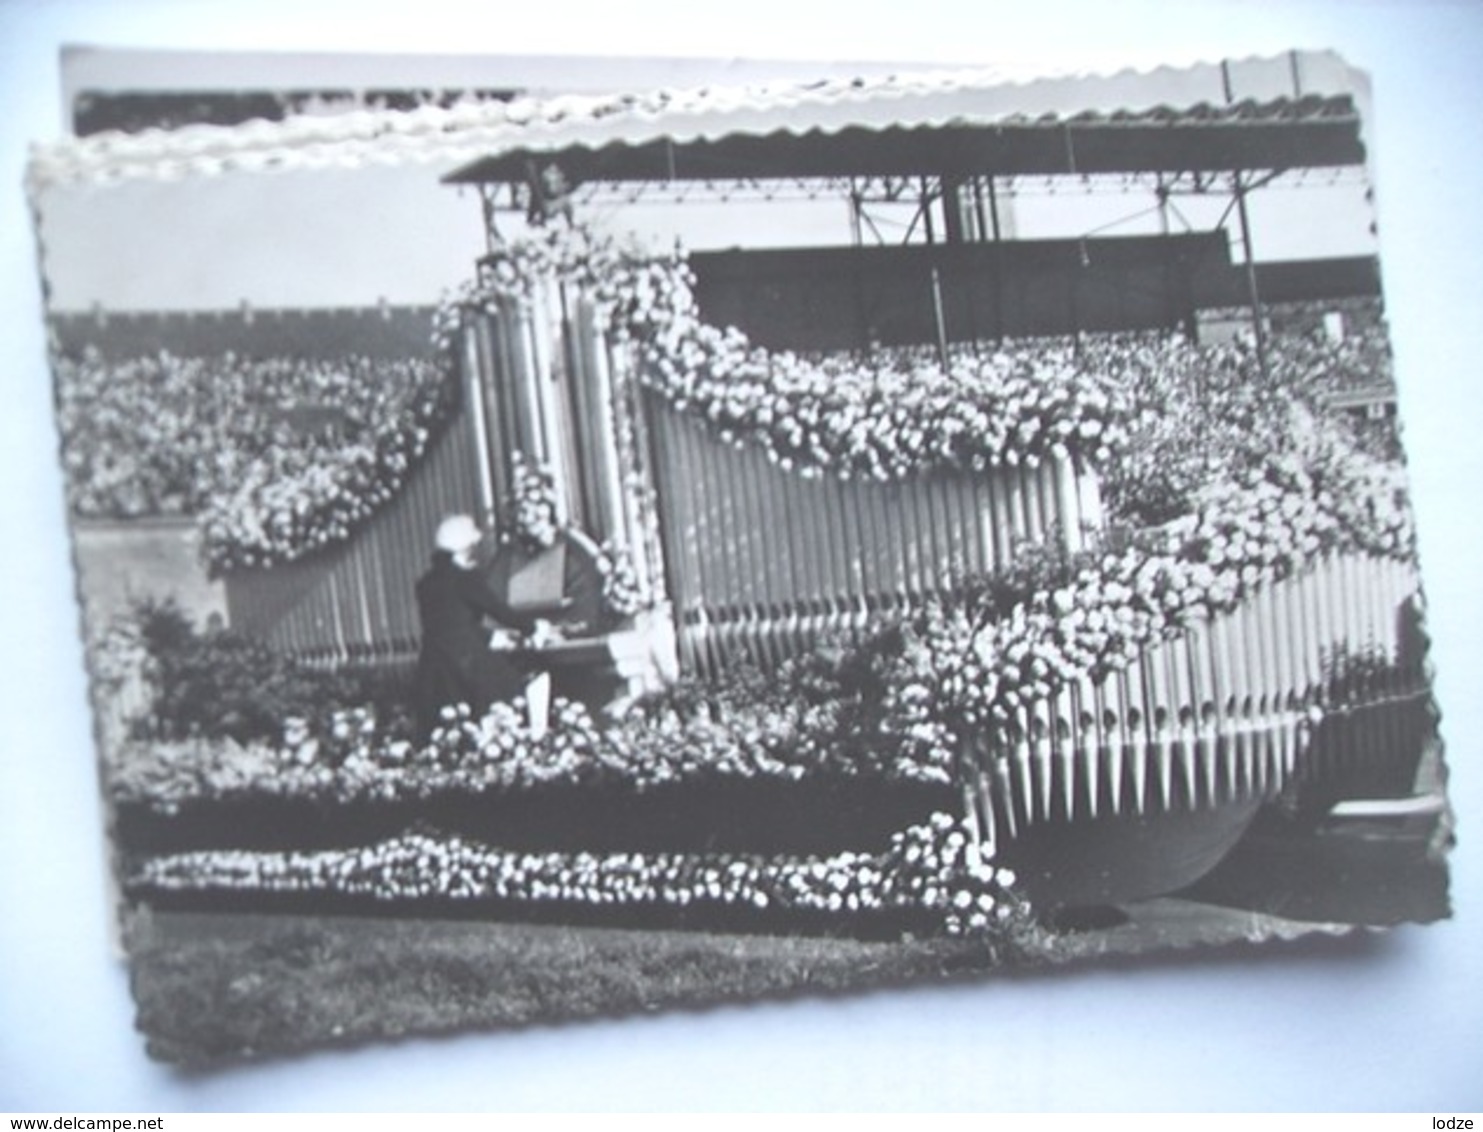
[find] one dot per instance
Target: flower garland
(932, 868)
(211, 437)
(962, 677)
(573, 256)
(900, 415)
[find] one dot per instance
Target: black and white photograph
(565, 540)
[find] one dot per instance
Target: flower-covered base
(931, 877)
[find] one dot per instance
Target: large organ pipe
(478, 410)
(1220, 712)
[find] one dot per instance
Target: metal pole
(1253, 292)
(486, 202)
(978, 211)
(1161, 194)
(941, 320)
(1252, 289)
(1075, 293)
(952, 209)
(998, 261)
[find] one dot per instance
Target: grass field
(216, 988)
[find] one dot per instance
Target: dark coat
(455, 664)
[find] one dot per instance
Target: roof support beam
(1252, 288)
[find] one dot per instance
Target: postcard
(550, 552)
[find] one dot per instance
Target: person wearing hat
(454, 600)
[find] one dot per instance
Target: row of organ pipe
(1320, 676)
(761, 561)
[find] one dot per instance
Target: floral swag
(898, 414)
(216, 438)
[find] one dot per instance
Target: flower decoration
(216, 437)
(1158, 415)
(909, 703)
(901, 414)
(931, 871)
(533, 504)
(622, 593)
(964, 675)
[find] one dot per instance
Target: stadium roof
(1283, 133)
(1295, 111)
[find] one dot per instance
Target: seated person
(454, 600)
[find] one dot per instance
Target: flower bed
(352, 758)
(217, 684)
(931, 874)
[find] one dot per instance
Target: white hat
(457, 534)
